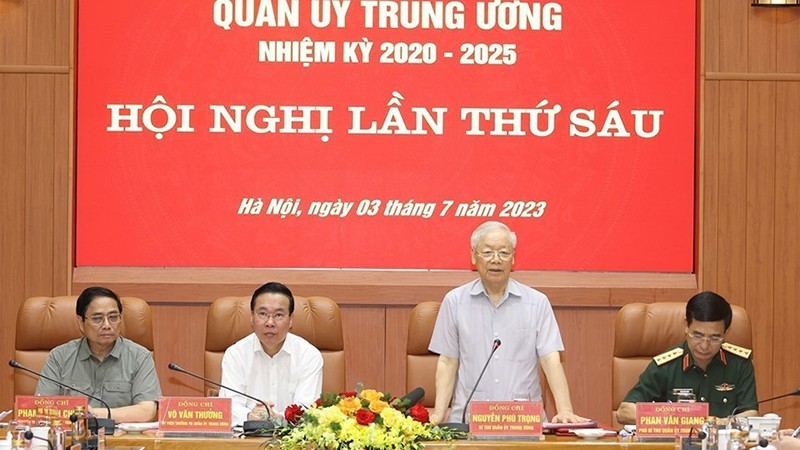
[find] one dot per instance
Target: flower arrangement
(362, 420)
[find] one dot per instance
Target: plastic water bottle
(18, 440)
(80, 435)
(738, 440)
(57, 436)
(710, 428)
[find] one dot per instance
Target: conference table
(149, 441)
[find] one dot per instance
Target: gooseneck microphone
(463, 426)
(750, 405)
(413, 397)
(495, 346)
(250, 427)
(108, 424)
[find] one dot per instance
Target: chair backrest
(44, 323)
(316, 319)
(643, 331)
(421, 363)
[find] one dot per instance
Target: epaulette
(668, 356)
(736, 350)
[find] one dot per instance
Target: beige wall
(748, 241)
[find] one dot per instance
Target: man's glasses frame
(697, 336)
(113, 318)
(488, 255)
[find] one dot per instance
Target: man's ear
(80, 323)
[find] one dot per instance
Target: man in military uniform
(717, 372)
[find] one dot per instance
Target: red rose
(319, 402)
(419, 413)
(293, 413)
(364, 416)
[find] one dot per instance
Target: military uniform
(728, 381)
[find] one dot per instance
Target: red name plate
(505, 419)
(54, 407)
(194, 414)
(669, 419)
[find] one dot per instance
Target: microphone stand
(109, 424)
(686, 443)
(463, 427)
(742, 407)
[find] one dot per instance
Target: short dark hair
(273, 287)
(709, 306)
(91, 293)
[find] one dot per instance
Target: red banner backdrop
(379, 133)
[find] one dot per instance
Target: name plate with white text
(667, 420)
(506, 420)
(194, 415)
(32, 407)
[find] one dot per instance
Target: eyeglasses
(278, 317)
(112, 318)
(488, 255)
(698, 337)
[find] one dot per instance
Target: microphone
(702, 435)
(30, 436)
(413, 397)
(742, 407)
(686, 443)
(108, 424)
(250, 427)
(463, 426)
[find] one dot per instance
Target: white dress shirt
(292, 376)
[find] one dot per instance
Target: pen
(796, 432)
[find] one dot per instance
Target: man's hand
(100, 413)
(260, 413)
(788, 443)
(626, 413)
(446, 371)
(568, 417)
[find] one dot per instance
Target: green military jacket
(728, 381)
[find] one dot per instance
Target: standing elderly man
(271, 364)
(493, 307)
